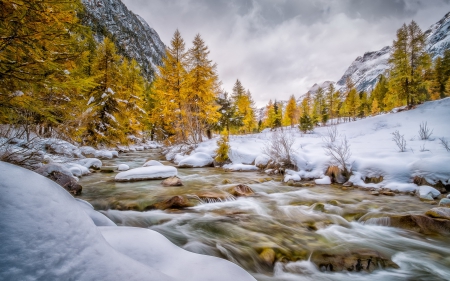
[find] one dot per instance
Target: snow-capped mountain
(365, 70)
(133, 37)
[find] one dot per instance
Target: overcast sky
(282, 47)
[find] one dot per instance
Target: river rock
(445, 202)
(213, 196)
(440, 213)
(175, 202)
(241, 190)
(68, 182)
(421, 223)
(426, 192)
(172, 181)
(268, 256)
(376, 193)
(388, 193)
(357, 260)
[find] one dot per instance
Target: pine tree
(440, 76)
(306, 123)
(228, 114)
(365, 105)
(409, 62)
(277, 113)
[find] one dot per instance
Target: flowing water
(291, 222)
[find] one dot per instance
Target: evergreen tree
(380, 91)
(375, 110)
(440, 76)
(332, 101)
(270, 115)
(306, 123)
(277, 112)
(409, 62)
(228, 114)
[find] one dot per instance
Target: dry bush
(280, 148)
(425, 132)
(399, 141)
(340, 154)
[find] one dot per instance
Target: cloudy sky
(282, 47)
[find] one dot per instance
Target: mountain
(133, 37)
(365, 70)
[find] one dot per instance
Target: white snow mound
(147, 173)
(152, 163)
(196, 160)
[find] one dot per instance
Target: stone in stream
(422, 224)
(175, 202)
(213, 196)
(355, 260)
(439, 213)
(108, 169)
(268, 256)
(376, 193)
(241, 190)
(68, 182)
(445, 202)
(172, 181)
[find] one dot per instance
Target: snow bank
(152, 163)
(154, 250)
(262, 160)
(147, 173)
(324, 180)
(196, 160)
(240, 167)
(90, 163)
(48, 235)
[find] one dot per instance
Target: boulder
(267, 256)
(172, 181)
(439, 213)
(445, 202)
(373, 179)
(422, 224)
(358, 260)
(426, 192)
(335, 174)
(68, 182)
(175, 202)
(241, 190)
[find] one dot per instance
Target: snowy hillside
(364, 71)
(374, 153)
(131, 34)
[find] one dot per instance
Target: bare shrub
(280, 148)
(399, 141)
(331, 135)
(445, 143)
(425, 132)
(340, 154)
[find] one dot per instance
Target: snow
(262, 160)
(147, 173)
(123, 167)
(152, 163)
(374, 154)
(90, 163)
(324, 180)
(54, 167)
(46, 234)
(240, 167)
(91, 100)
(428, 192)
(195, 160)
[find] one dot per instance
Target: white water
(286, 219)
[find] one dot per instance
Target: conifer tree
(203, 89)
(375, 110)
(332, 101)
(440, 76)
(277, 114)
(292, 111)
(409, 62)
(270, 115)
(245, 107)
(380, 91)
(228, 114)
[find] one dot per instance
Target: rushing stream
(280, 222)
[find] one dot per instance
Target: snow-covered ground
(46, 234)
(373, 152)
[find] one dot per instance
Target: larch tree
(409, 61)
(380, 91)
(291, 113)
(203, 89)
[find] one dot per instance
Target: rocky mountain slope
(364, 71)
(133, 37)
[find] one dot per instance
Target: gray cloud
(282, 47)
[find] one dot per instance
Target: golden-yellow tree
(292, 111)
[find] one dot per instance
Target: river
(280, 222)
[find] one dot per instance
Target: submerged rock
(358, 260)
(241, 190)
(172, 181)
(175, 202)
(421, 223)
(213, 196)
